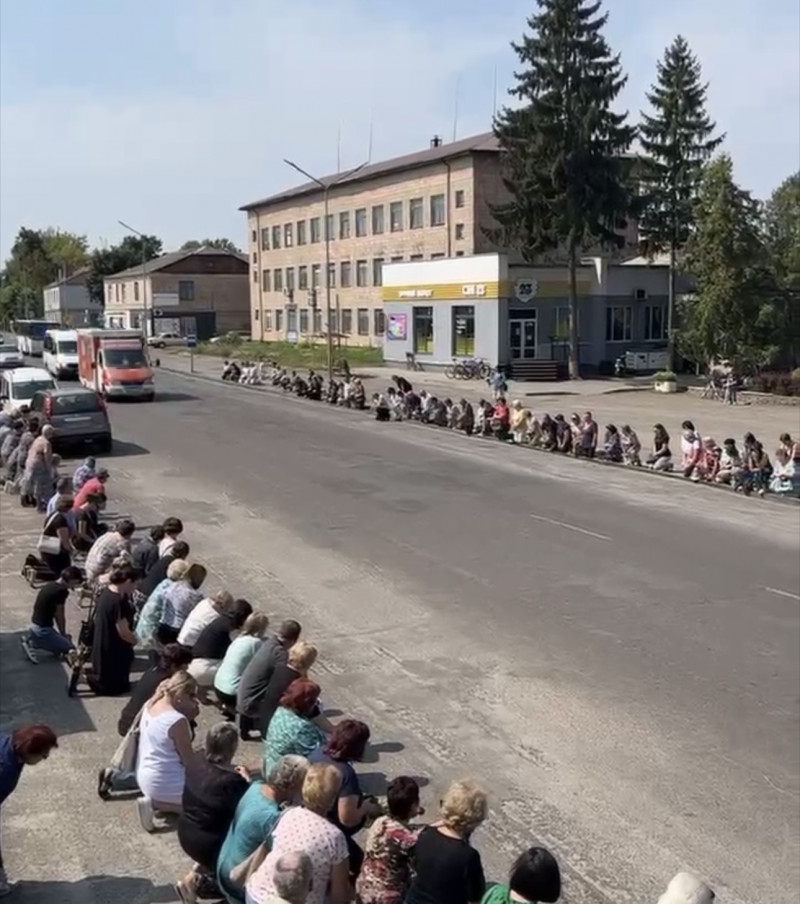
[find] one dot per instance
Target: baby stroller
(83, 648)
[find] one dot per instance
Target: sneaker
(28, 649)
(105, 782)
(186, 891)
(144, 810)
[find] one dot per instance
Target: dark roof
(81, 272)
(486, 142)
(167, 260)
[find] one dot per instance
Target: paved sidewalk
(610, 401)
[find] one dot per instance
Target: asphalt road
(614, 655)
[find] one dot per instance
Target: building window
(416, 217)
(361, 221)
(397, 259)
(278, 319)
(268, 321)
(123, 293)
(561, 324)
(254, 236)
(303, 320)
(655, 327)
(136, 291)
(361, 273)
(333, 322)
(438, 256)
(277, 280)
(302, 277)
(288, 235)
(459, 231)
(362, 324)
(378, 322)
(437, 210)
(315, 230)
(329, 233)
(344, 225)
(255, 314)
(423, 331)
(460, 197)
(459, 254)
(464, 330)
(116, 292)
(417, 257)
(266, 280)
(345, 274)
(377, 271)
(255, 275)
(332, 275)
(276, 236)
(316, 269)
(185, 290)
(347, 321)
(301, 232)
(396, 216)
(255, 257)
(265, 239)
(291, 320)
(377, 220)
(290, 279)
(110, 293)
(619, 322)
(317, 320)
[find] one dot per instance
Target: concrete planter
(665, 386)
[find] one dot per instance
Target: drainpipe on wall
(260, 281)
(447, 208)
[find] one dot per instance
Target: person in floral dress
(386, 873)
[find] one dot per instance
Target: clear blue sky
(169, 114)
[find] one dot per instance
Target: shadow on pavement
(95, 890)
(175, 397)
(122, 448)
(37, 693)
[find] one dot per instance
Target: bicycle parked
(468, 369)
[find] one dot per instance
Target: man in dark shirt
(256, 676)
(48, 610)
(158, 573)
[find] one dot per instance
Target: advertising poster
(396, 326)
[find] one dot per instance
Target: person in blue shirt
(26, 746)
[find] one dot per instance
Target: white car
(11, 356)
(167, 340)
(20, 385)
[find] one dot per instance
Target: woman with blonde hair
(165, 747)
(153, 610)
(446, 866)
(242, 649)
(306, 829)
(301, 657)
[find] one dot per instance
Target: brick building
(203, 292)
(424, 206)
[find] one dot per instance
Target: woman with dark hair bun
(114, 640)
(25, 746)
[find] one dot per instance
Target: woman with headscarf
(37, 482)
(83, 473)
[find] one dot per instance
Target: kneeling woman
(165, 747)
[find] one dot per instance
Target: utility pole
(152, 318)
(326, 187)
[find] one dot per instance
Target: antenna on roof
(494, 95)
(455, 110)
(369, 143)
(339, 150)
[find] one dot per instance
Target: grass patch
(301, 355)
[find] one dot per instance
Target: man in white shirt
(202, 615)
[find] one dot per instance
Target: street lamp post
(326, 187)
(152, 318)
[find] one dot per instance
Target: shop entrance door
(522, 339)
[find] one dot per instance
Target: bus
(30, 335)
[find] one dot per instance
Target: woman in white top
(203, 614)
(173, 528)
(307, 830)
(165, 747)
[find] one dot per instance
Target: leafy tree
(735, 310)
(130, 252)
(220, 244)
(67, 251)
(677, 139)
(782, 232)
(563, 146)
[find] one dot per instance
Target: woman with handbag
(55, 543)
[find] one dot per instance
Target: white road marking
(792, 596)
(573, 527)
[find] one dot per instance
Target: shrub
(778, 383)
(664, 376)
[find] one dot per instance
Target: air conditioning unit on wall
(640, 294)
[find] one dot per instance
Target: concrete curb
(669, 475)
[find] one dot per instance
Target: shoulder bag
(50, 546)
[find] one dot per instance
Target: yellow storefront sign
(480, 291)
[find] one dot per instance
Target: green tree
(782, 233)
(67, 251)
(220, 244)
(735, 310)
(677, 138)
(563, 146)
(130, 252)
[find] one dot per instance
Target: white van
(60, 354)
(19, 385)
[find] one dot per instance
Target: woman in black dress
(211, 793)
(113, 640)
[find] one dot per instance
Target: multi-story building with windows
(424, 206)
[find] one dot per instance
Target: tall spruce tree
(677, 138)
(564, 146)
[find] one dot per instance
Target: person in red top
(501, 419)
(94, 484)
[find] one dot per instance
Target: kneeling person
(48, 610)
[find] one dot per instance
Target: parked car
(232, 338)
(78, 416)
(19, 385)
(167, 340)
(10, 356)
